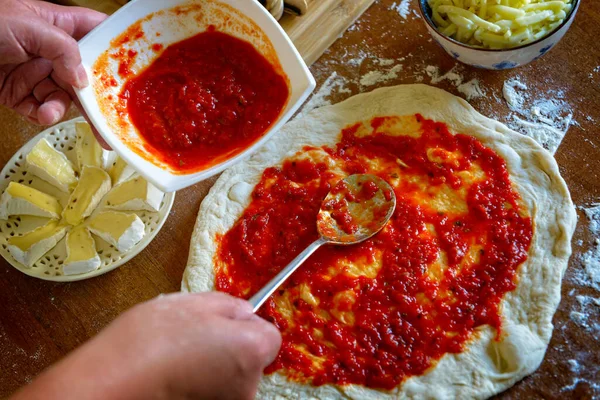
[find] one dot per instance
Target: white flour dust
(332, 84)
(589, 275)
(375, 77)
(513, 93)
(402, 7)
(545, 119)
(471, 89)
(581, 367)
(582, 316)
(385, 62)
(586, 276)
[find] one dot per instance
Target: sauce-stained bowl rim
(423, 6)
(301, 84)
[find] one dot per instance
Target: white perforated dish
(49, 267)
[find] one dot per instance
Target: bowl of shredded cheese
(498, 34)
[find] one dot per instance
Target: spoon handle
(263, 294)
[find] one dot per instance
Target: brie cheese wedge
(93, 184)
(88, 150)
(51, 165)
(81, 252)
(121, 230)
(30, 247)
(19, 199)
(120, 171)
(134, 195)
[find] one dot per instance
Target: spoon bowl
(356, 209)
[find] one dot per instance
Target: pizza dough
(487, 366)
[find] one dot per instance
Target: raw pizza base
(487, 366)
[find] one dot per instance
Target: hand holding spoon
(356, 209)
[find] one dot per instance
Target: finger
(213, 302)
(44, 89)
(54, 108)
(56, 45)
(259, 343)
(28, 108)
(228, 306)
(66, 87)
(77, 21)
(54, 102)
(21, 81)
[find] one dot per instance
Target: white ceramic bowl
(501, 58)
(117, 129)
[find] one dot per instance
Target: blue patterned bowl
(497, 59)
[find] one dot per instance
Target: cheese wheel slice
(120, 171)
(82, 256)
(135, 194)
(19, 199)
(93, 184)
(88, 150)
(30, 247)
(121, 230)
(51, 165)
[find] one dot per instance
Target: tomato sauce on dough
(439, 274)
(203, 100)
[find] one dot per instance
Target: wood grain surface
(40, 321)
(323, 23)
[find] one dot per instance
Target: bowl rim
(301, 84)
(432, 24)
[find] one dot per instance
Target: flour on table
(471, 89)
(588, 305)
(581, 367)
(546, 119)
(513, 92)
(402, 7)
(434, 73)
(374, 77)
(332, 84)
(358, 58)
(385, 62)
(586, 274)
(589, 275)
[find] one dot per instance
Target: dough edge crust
(487, 366)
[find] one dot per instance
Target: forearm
(101, 369)
(202, 346)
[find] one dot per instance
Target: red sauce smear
(342, 216)
(203, 100)
(404, 320)
(338, 206)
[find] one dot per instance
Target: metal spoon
(356, 209)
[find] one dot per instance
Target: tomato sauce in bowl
(187, 88)
(204, 99)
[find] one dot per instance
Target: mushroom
(296, 7)
(277, 7)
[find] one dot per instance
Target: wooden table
(41, 321)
